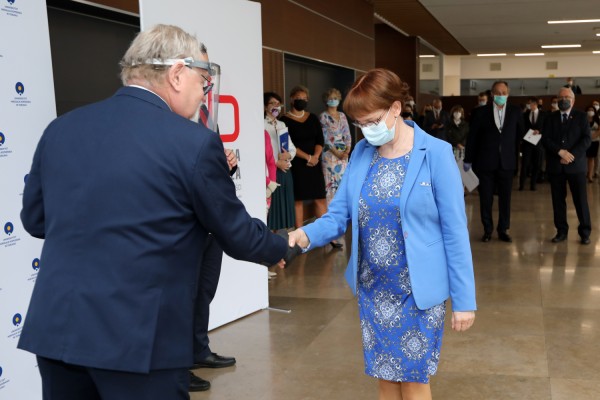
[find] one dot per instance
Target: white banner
(26, 107)
(231, 30)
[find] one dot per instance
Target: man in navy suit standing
(566, 136)
(492, 147)
(125, 193)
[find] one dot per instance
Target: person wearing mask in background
(492, 147)
(408, 113)
(533, 119)
(111, 313)
(566, 137)
(457, 132)
(482, 99)
(592, 151)
(571, 85)
(410, 243)
(306, 133)
(410, 101)
(282, 214)
(596, 106)
(338, 143)
(437, 120)
(554, 104)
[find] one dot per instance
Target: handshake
(292, 251)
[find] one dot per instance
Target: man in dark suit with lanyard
(492, 146)
(566, 136)
(125, 192)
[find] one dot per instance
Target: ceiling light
(559, 46)
(426, 56)
(491, 55)
(528, 54)
(597, 34)
(574, 21)
(596, 51)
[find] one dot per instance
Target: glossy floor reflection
(537, 333)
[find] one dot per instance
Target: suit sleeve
(548, 136)
(471, 147)
(451, 207)
(585, 139)
(221, 213)
(32, 213)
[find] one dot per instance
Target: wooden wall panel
(132, 6)
(273, 68)
(398, 53)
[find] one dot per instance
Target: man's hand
(231, 158)
(566, 156)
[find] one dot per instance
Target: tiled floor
(536, 336)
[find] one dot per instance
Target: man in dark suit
(125, 192)
(492, 145)
(533, 119)
(566, 136)
(436, 120)
(571, 85)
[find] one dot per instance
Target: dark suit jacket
(443, 119)
(539, 122)
(125, 193)
(487, 148)
(573, 136)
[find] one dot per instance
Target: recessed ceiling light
(597, 34)
(426, 56)
(574, 21)
(491, 55)
(596, 51)
(559, 46)
(528, 54)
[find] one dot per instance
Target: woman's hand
(462, 320)
(298, 237)
(312, 160)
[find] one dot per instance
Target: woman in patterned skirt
(410, 244)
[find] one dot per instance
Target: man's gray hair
(161, 42)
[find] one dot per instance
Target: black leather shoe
(585, 240)
(215, 361)
(486, 237)
(198, 384)
(505, 237)
(560, 237)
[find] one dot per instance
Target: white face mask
(528, 106)
(410, 103)
(379, 134)
(591, 113)
(596, 107)
(482, 103)
(457, 115)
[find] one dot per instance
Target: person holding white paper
(281, 213)
(533, 120)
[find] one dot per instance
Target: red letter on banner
(231, 137)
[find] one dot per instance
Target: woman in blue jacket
(410, 244)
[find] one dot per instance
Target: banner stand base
(281, 310)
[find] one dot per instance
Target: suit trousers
(208, 280)
(530, 163)
(488, 181)
(578, 186)
(62, 381)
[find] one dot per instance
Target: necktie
(532, 118)
(564, 118)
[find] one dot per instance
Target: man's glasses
(370, 123)
(208, 85)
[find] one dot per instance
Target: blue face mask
(379, 134)
(333, 103)
(500, 100)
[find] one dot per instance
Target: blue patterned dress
(400, 342)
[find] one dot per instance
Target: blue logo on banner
(17, 319)
(11, 2)
(25, 178)
(35, 264)
(2, 138)
(20, 88)
(8, 228)
(0, 371)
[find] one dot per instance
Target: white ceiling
(518, 26)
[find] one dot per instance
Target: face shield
(208, 111)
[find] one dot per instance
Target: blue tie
(564, 121)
